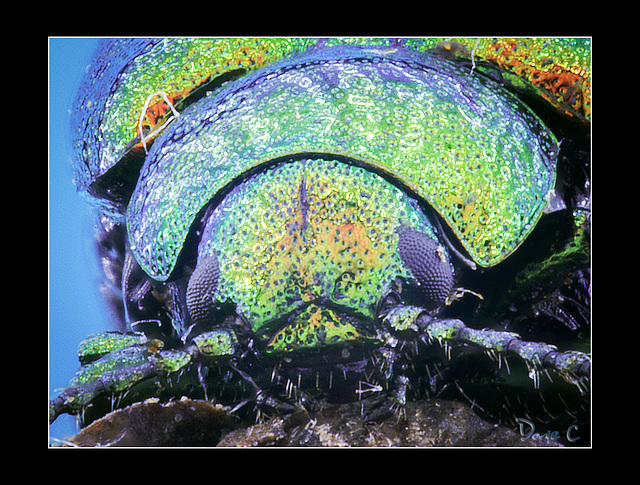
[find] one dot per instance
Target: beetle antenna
(458, 293)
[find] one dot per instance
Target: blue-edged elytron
(289, 220)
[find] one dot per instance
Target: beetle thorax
(305, 234)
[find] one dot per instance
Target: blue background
(76, 309)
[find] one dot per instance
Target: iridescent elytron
(558, 70)
(303, 207)
(477, 155)
(127, 72)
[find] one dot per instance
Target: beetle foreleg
(116, 372)
(261, 398)
(571, 365)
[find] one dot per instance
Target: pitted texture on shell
(315, 328)
(428, 262)
(483, 160)
(555, 69)
(306, 231)
(125, 72)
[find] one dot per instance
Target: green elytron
(477, 155)
(307, 219)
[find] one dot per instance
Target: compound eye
(428, 263)
(202, 288)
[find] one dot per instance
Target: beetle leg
(261, 398)
(573, 366)
(116, 372)
(391, 402)
(402, 317)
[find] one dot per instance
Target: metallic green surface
(121, 97)
(128, 357)
(555, 69)
(482, 159)
(315, 328)
(306, 231)
(126, 73)
(216, 343)
(103, 343)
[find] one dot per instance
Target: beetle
(303, 219)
